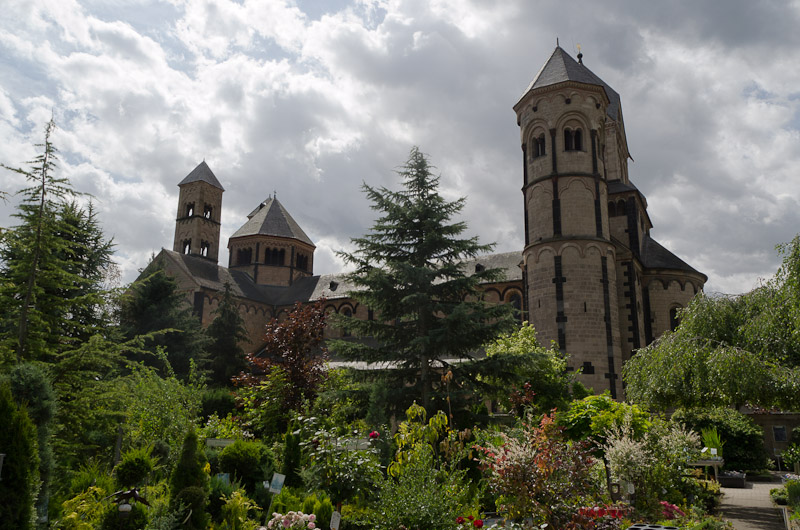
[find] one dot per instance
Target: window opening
(204, 246)
(187, 246)
(190, 209)
(207, 211)
(674, 319)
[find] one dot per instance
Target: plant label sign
(277, 483)
(336, 518)
(714, 451)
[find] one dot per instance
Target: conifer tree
(409, 271)
(226, 332)
(154, 304)
(51, 266)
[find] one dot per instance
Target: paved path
(750, 508)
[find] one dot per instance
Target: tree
(409, 271)
(155, 307)
(188, 484)
(20, 465)
(517, 367)
(293, 345)
(226, 332)
(728, 350)
(51, 266)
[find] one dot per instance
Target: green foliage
(193, 498)
(339, 465)
(32, 387)
(226, 331)
(85, 510)
(421, 496)
(793, 492)
(227, 427)
(236, 512)
(219, 401)
(653, 463)
(414, 434)
(518, 361)
(791, 455)
(134, 467)
(744, 440)
(159, 408)
(262, 404)
(779, 496)
(21, 464)
(154, 304)
(728, 351)
(291, 458)
(712, 440)
(540, 475)
(409, 271)
(190, 474)
(591, 417)
(249, 461)
(135, 520)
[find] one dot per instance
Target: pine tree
(409, 272)
(154, 304)
(226, 332)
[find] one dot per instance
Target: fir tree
(226, 332)
(409, 271)
(154, 304)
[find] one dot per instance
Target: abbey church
(590, 277)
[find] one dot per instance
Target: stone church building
(590, 277)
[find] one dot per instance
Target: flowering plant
(292, 521)
(469, 522)
(374, 435)
(670, 511)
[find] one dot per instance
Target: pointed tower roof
(561, 67)
(270, 218)
(202, 173)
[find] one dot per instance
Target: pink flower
(311, 526)
(374, 435)
(312, 517)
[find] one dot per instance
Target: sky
(312, 99)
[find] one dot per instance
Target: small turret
(197, 224)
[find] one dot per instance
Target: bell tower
(569, 259)
(197, 224)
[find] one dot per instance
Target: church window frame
(207, 211)
(189, 209)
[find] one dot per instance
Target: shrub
(189, 471)
(541, 475)
(219, 401)
(219, 488)
(744, 440)
(779, 496)
(195, 499)
(135, 520)
(134, 467)
(793, 492)
(236, 512)
(250, 462)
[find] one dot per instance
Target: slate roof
(270, 218)
(508, 262)
(561, 67)
(617, 186)
(202, 173)
(654, 256)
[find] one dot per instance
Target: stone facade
(590, 278)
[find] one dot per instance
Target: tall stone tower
(199, 212)
(573, 143)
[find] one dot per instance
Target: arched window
(207, 211)
(348, 313)
(204, 246)
(612, 209)
(302, 262)
(538, 146)
(674, 318)
(187, 246)
(281, 257)
(516, 302)
(189, 209)
(244, 256)
(568, 143)
(578, 140)
(621, 207)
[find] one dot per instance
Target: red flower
(471, 517)
(374, 435)
(459, 519)
(478, 523)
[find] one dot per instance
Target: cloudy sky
(311, 98)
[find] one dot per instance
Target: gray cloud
(311, 102)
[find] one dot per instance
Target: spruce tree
(409, 271)
(226, 332)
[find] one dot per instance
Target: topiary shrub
(744, 440)
(136, 519)
(134, 468)
(219, 488)
(195, 499)
(250, 462)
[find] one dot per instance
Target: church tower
(573, 142)
(199, 213)
(271, 247)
